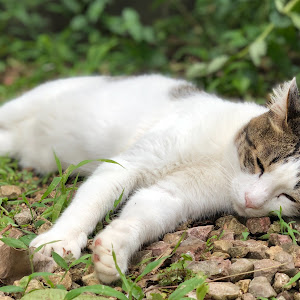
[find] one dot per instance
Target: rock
(260, 287)
(248, 296)
(285, 295)
(258, 225)
(25, 217)
(142, 259)
(158, 248)
(243, 285)
(174, 237)
(14, 263)
(280, 281)
(222, 245)
(272, 251)
(211, 268)
(231, 223)
(6, 298)
(296, 296)
(90, 279)
(286, 259)
(222, 234)
(43, 263)
(220, 255)
(10, 191)
(200, 232)
(279, 239)
(44, 227)
(275, 227)
(241, 266)
(238, 251)
(56, 278)
(223, 290)
(34, 284)
(257, 249)
(268, 268)
(192, 246)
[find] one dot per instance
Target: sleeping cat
(183, 154)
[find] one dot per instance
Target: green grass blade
(122, 276)
(293, 279)
(58, 206)
(58, 163)
(97, 289)
(11, 289)
(186, 287)
(15, 243)
(150, 267)
(51, 187)
(60, 261)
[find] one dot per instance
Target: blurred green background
(236, 48)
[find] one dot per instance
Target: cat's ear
(285, 104)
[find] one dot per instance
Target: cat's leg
(148, 214)
(92, 201)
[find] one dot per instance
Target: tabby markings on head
(183, 91)
(273, 138)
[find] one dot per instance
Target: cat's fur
(185, 154)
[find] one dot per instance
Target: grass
(56, 191)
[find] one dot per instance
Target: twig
(5, 229)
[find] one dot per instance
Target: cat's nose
(249, 203)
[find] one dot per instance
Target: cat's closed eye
(261, 166)
(288, 197)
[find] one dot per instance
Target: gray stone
(258, 225)
(280, 281)
(286, 259)
(241, 265)
(238, 251)
(223, 290)
(260, 287)
(24, 217)
(211, 268)
(267, 268)
(248, 296)
(257, 249)
(10, 191)
(243, 285)
(279, 239)
(222, 245)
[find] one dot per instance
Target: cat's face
(268, 149)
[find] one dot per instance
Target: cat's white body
(178, 156)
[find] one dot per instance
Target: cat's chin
(249, 212)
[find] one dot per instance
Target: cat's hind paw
(62, 244)
(105, 267)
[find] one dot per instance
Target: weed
(286, 228)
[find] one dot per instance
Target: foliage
(286, 228)
(240, 54)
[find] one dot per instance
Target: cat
(182, 154)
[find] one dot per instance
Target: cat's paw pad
(105, 267)
(64, 245)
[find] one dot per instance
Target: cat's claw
(105, 267)
(62, 244)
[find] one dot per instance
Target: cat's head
(268, 148)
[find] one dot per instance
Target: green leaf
(49, 294)
(97, 289)
(257, 50)
(95, 9)
(122, 276)
(83, 259)
(51, 187)
(295, 17)
(58, 163)
(15, 243)
(201, 291)
(58, 206)
(132, 23)
(186, 287)
(293, 279)
(60, 261)
(11, 289)
(26, 239)
(150, 267)
(216, 64)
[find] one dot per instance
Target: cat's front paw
(104, 244)
(61, 243)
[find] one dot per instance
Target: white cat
(185, 154)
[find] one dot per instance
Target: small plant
(245, 235)
(286, 228)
